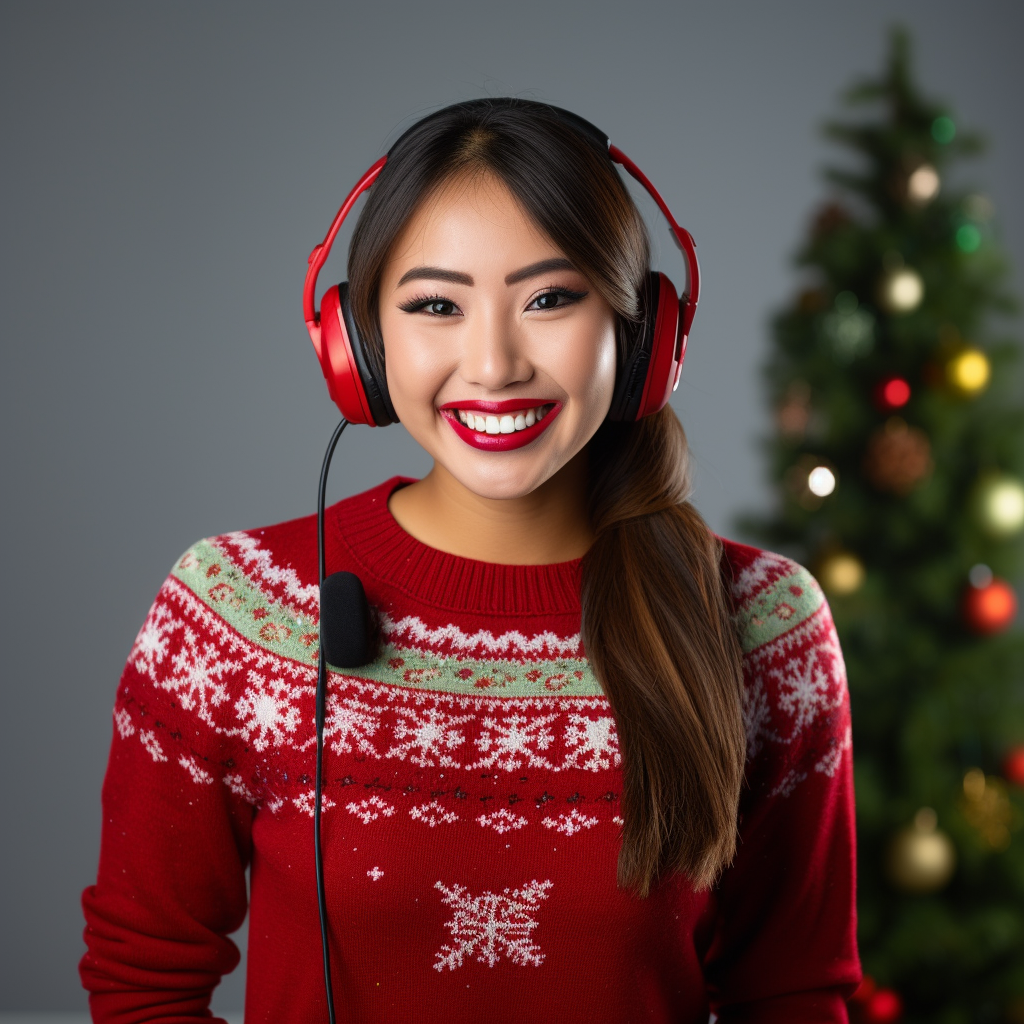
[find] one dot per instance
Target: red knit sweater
(471, 822)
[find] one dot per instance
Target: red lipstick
(499, 442)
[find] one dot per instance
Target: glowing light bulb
(902, 290)
(923, 185)
(821, 481)
(893, 393)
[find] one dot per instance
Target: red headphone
(643, 383)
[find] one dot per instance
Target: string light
(821, 481)
(923, 185)
(892, 393)
(969, 371)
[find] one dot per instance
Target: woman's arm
(176, 832)
(785, 946)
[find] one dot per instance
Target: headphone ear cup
(352, 385)
(645, 380)
(375, 389)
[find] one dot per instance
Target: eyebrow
(435, 274)
(458, 277)
(542, 267)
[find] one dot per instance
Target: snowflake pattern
(267, 711)
(513, 742)
(433, 814)
(306, 802)
(350, 725)
(571, 823)
(810, 684)
(491, 925)
(123, 723)
(502, 820)
(370, 809)
(199, 775)
(152, 745)
(198, 676)
(375, 873)
(150, 647)
(426, 735)
(594, 742)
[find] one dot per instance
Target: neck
(550, 524)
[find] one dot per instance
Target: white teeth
(507, 424)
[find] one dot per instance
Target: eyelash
(420, 302)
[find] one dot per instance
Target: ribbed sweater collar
(367, 528)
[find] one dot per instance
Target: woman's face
(500, 354)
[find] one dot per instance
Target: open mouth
(500, 426)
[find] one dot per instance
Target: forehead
(471, 218)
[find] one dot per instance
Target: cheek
(589, 368)
(414, 369)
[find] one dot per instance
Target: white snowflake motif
(198, 676)
(616, 820)
(370, 809)
(267, 711)
(349, 725)
(375, 873)
(810, 685)
(788, 783)
(571, 823)
(829, 764)
(512, 743)
(152, 744)
(151, 644)
(306, 802)
(191, 765)
(433, 814)
(492, 924)
(501, 820)
(237, 786)
(123, 721)
(425, 736)
(594, 739)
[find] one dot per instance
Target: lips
(500, 426)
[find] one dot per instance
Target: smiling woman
(597, 768)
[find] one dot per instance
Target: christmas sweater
(471, 807)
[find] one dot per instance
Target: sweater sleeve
(177, 818)
(785, 948)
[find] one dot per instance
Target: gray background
(166, 170)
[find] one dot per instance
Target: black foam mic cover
(345, 621)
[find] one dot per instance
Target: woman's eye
(440, 307)
(556, 299)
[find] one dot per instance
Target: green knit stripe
(225, 589)
(569, 677)
(790, 600)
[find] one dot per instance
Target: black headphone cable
(321, 714)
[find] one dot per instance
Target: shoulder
(795, 699)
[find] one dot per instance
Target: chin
(500, 478)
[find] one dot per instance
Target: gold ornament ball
(999, 505)
(901, 290)
(922, 857)
(968, 372)
(841, 573)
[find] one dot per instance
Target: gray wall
(167, 169)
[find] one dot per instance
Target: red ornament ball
(884, 1006)
(1013, 766)
(990, 608)
(892, 393)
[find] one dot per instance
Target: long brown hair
(656, 624)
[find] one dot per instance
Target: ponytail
(657, 631)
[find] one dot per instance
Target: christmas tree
(897, 460)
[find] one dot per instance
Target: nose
(493, 355)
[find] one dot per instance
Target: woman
(599, 766)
